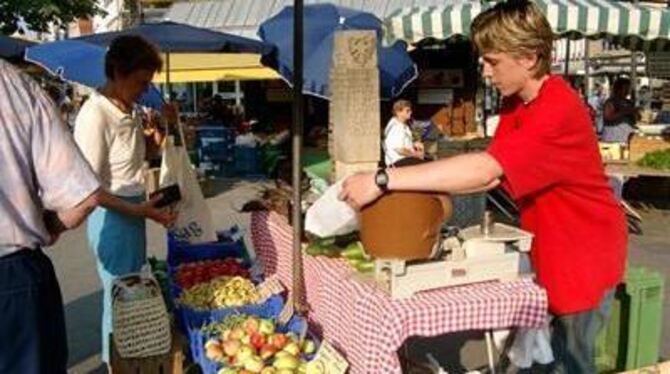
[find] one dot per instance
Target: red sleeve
(537, 153)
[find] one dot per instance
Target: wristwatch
(382, 179)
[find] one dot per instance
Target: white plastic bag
(194, 219)
(531, 345)
(330, 216)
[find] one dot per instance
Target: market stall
(367, 325)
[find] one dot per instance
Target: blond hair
(401, 105)
(517, 27)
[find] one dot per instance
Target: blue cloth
(118, 243)
(32, 321)
(321, 22)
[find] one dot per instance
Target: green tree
(39, 14)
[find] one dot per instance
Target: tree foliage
(38, 15)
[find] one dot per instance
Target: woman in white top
(398, 143)
(111, 138)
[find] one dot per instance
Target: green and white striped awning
(634, 26)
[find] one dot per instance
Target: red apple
(278, 340)
(231, 347)
(257, 340)
(251, 325)
(267, 351)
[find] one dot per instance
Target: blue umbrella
(13, 48)
(80, 62)
(176, 37)
(321, 21)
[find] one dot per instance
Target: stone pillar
(354, 104)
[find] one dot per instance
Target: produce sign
(247, 344)
(193, 273)
(219, 293)
(354, 253)
(659, 160)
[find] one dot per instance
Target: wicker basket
(140, 318)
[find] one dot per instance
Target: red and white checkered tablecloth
(367, 326)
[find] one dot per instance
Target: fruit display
(190, 274)
(247, 344)
(220, 292)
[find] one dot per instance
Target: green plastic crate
(632, 336)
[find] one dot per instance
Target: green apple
(287, 362)
(266, 327)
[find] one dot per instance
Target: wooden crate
(640, 145)
(170, 363)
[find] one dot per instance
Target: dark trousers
(32, 320)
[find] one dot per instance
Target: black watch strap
(382, 179)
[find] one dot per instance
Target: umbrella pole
(297, 130)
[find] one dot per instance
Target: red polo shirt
(552, 168)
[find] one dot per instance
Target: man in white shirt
(398, 142)
(46, 187)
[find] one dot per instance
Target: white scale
(473, 256)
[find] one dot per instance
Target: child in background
(398, 143)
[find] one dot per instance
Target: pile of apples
(252, 345)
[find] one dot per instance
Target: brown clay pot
(404, 225)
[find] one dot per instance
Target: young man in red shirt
(545, 154)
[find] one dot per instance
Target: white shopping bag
(194, 219)
(330, 216)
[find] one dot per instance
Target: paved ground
(82, 295)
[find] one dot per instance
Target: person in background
(110, 136)
(398, 142)
(596, 102)
(545, 155)
(619, 114)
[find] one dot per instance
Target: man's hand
(53, 225)
(170, 113)
(360, 190)
(419, 150)
(161, 215)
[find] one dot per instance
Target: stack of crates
(631, 339)
(216, 147)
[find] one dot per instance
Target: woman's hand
(161, 215)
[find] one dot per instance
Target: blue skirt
(118, 243)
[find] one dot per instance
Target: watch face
(382, 179)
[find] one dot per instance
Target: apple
(269, 370)
(293, 348)
(285, 371)
(227, 371)
(278, 340)
(231, 347)
(258, 340)
(213, 350)
(286, 362)
(254, 364)
(251, 325)
(308, 347)
(246, 339)
(266, 327)
(281, 354)
(225, 335)
(267, 351)
(302, 369)
(236, 333)
(245, 352)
